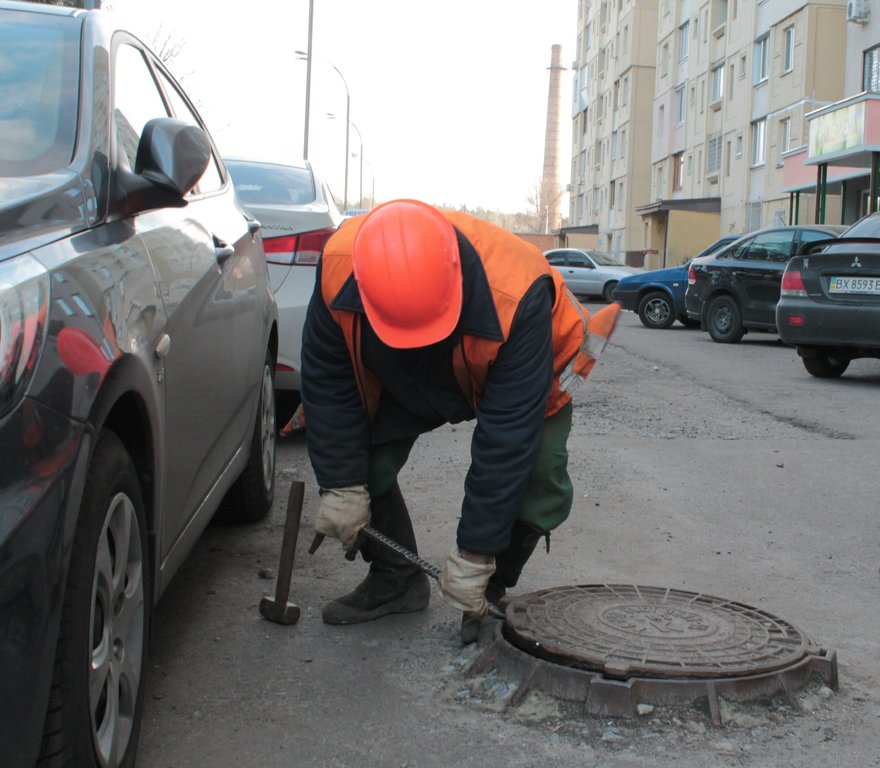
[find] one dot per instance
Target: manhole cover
(617, 646)
(626, 630)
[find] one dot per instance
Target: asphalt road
(724, 469)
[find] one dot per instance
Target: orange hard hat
(408, 270)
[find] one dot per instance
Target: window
(727, 159)
(664, 60)
(612, 199)
(784, 136)
(679, 105)
(136, 103)
(713, 155)
(661, 121)
(623, 143)
(770, 246)
(739, 145)
(717, 83)
(683, 40)
(677, 171)
(871, 70)
(614, 145)
(762, 60)
(759, 140)
(730, 84)
(788, 61)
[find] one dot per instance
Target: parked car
(589, 274)
(829, 308)
(298, 215)
(137, 353)
(657, 296)
(735, 290)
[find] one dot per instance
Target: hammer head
(280, 613)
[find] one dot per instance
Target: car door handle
(222, 251)
(254, 226)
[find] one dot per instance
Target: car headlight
(24, 299)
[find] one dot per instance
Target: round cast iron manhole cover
(626, 630)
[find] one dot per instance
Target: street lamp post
(347, 114)
(361, 170)
(308, 58)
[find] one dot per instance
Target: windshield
(267, 184)
(605, 259)
(39, 83)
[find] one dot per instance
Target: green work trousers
(547, 500)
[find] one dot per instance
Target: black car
(830, 303)
(138, 338)
(735, 290)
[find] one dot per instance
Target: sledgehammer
(279, 610)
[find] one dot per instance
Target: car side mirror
(171, 158)
(172, 154)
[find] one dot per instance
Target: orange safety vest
(512, 266)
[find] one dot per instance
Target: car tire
(96, 700)
(824, 366)
(656, 310)
(723, 320)
(608, 291)
(250, 498)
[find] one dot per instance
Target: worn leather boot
(393, 584)
(508, 567)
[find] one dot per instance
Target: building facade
(611, 135)
(727, 99)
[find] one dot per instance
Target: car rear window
(261, 184)
(39, 83)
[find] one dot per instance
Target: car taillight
(301, 249)
(24, 299)
(793, 283)
(692, 275)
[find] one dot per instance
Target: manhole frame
(613, 692)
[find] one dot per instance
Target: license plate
(854, 285)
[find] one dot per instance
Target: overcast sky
(450, 96)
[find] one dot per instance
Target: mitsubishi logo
(856, 262)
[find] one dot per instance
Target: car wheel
(608, 291)
(656, 310)
(97, 691)
(250, 498)
(723, 320)
(825, 366)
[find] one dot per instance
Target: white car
(589, 273)
(298, 215)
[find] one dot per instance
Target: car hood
(670, 273)
(39, 209)
(623, 271)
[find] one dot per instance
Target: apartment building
(611, 135)
(830, 175)
(732, 86)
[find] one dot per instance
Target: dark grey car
(137, 348)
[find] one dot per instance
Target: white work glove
(463, 583)
(342, 514)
